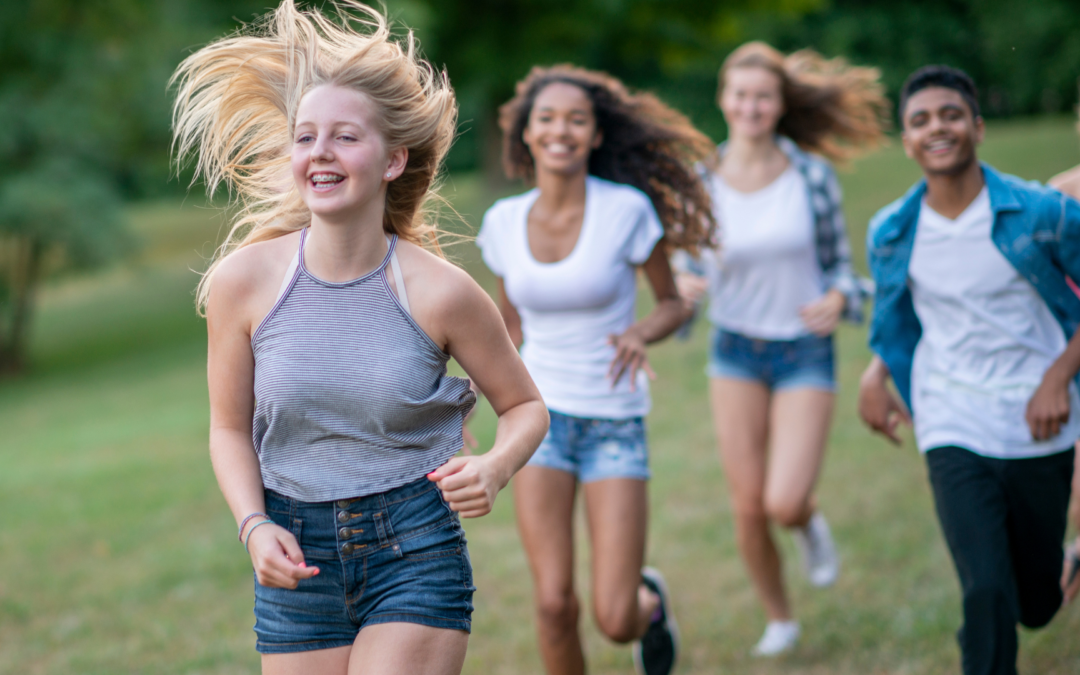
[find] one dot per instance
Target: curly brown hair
(830, 107)
(645, 144)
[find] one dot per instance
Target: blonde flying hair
(830, 107)
(236, 105)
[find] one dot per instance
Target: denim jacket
(1036, 228)
(830, 231)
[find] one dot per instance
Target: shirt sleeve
(488, 241)
(644, 234)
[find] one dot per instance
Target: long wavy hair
(236, 101)
(830, 107)
(645, 144)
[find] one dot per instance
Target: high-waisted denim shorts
(805, 362)
(397, 556)
(593, 449)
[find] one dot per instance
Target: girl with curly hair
(779, 284)
(615, 187)
(331, 318)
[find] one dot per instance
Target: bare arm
(476, 335)
(510, 315)
(275, 554)
(879, 408)
(666, 316)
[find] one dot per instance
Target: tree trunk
(23, 289)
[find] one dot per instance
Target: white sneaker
(819, 559)
(779, 637)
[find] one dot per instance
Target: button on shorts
(397, 556)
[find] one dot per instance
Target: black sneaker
(658, 649)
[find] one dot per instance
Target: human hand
(277, 558)
(1048, 408)
(1070, 572)
(878, 407)
(629, 358)
(469, 484)
(822, 316)
(692, 288)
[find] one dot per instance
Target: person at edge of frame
(778, 285)
(334, 427)
(615, 187)
(1068, 182)
(975, 324)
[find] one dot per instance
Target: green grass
(118, 554)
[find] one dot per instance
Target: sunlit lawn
(118, 555)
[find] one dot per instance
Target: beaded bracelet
(243, 524)
(253, 528)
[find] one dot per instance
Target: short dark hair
(940, 76)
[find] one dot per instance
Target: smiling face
(752, 101)
(340, 160)
(940, 131)
(562, 131)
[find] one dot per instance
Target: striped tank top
(352, 397)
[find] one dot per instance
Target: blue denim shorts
(805, 362)
(593, 449)
(397, 556)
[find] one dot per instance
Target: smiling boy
(974, 322)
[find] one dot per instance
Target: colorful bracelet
(244, 522)
(253, 528)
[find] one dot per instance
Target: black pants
(1004, 521)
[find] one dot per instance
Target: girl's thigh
(740, 410)
(394, 648)
(544, 506)
(798, 432)
(324, 661)
(617, 510)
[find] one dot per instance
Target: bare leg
(618, 513)
(544, 502)
(798, 432)
(740, 412)
(393, 648)
(323, 661)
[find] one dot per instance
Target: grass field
(118, 555)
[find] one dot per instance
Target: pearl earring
(387, 174)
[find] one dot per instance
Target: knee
(988, 599)
(786, 512)
(618, 621)
(557, 610)
(749, 512)
(1036, 612)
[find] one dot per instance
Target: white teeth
(324, 178)
(558, 147)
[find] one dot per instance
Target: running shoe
(658, 649)
(779, 637)
(819, 560)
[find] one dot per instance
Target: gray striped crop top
(352, 397)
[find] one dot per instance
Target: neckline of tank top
(331, 284)
(763, 191)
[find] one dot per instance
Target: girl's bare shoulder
(248, 278)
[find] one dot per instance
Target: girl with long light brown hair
(779, 284)
(331, 316)
(615, 187)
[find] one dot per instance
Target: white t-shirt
(766, 268)
(569, 308)
(988, 338)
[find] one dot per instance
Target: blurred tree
(84, 125)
